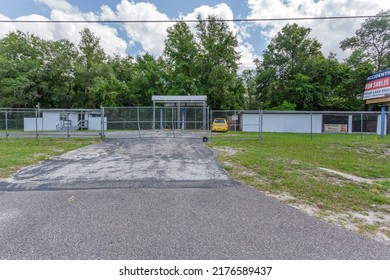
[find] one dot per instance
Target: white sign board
(335, 128)
(377, 85)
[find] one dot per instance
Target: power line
(195, 20)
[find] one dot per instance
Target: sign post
(383, 121)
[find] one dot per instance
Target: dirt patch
(228, 151)
(282, 196)
(348, 176)
(372, 224)
(39, 155)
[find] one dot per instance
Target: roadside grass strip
(290, 167)
(18, 153)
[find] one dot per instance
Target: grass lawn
(287, 166)
(18, 153)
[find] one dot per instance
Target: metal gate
(156, 122)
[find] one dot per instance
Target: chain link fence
(254, 123)
(65, 123)
(176, 122)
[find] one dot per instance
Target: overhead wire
(196, 20)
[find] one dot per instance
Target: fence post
(68, 126)
(154, 116)
(178, 114)
(262, 123)
(311, 125)
(172, 122)
(139, 126)
(361, 125)
(383, 121)
(235, 127)
(6, 124)
(102, 123)
(208, 122)
(36, 123)
(259, 125)
(206, 115)
(161, 119)
(211, 123)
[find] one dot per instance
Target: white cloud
(151, 36)
(62, 5)
(247, 56)
(329, 32)
(223, 11)
(61, 10)
(6, 27)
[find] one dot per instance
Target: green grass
(18, 153)
(289, 163)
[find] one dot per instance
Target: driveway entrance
(157, 199)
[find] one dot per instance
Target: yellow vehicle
(219, 125)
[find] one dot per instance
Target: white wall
(95, 123)
(50, 120)
(30, 124)
(297, 123)
(74, 118)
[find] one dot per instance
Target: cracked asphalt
(157, 199)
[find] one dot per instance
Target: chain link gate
(156, 122)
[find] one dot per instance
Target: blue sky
(134, 39)
(173, 8)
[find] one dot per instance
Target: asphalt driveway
(157, 199)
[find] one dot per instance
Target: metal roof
(181, 100)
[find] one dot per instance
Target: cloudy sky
(138, 38)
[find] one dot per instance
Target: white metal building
(63, 119)
(311, 122)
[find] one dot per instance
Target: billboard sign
(377, 85)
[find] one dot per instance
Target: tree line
(293, 73)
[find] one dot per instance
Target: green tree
(217, 64)
(290, 49)
(148, 79)
(123, 67)
(290, 71)
(110, 92)
(373, 40)
(59, 59)
(249, 80)
(21, 70)
(91, 66)
(180, 54)
(352, 76)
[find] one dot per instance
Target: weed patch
(287, 165)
